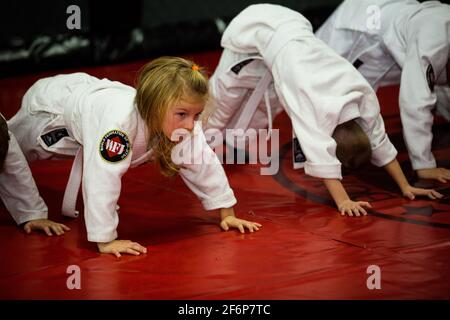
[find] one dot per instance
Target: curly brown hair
(352, 145)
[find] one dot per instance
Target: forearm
(18, 189)
(101, 219)
(337, 191)
(416, 103)
(407, 190)
(395, 171)
(226, 212)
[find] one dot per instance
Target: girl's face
(181, 115)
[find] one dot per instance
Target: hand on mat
(116, 247)
(440, 174)
(351, 208)
(233, 222)
(411, 192)
(45, 225)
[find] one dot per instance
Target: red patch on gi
(115, 146)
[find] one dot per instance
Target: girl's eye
(197, 116)
(181, 114)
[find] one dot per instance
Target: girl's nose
(190, 124)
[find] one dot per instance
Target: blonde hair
(352, 145)
(160, 84)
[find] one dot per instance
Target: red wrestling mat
(305, 249)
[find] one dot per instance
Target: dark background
(34, 36)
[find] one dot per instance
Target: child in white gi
(109, 127)
(404, 42)
(18, 189)
(271, 51)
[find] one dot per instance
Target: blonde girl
(110, 127)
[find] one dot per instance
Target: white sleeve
(317, 144)
(102, 178)
(202, 171)
(416, 102)
(18, 189)
(371, 122)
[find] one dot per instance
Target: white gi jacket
(18, 189)
(101, 117)
(316, 87)
(408, 44)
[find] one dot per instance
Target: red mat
(305, 249)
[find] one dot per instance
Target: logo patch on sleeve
(298, 156)
(115, 146)
(54, 136)
(430, 77)
(358, 63)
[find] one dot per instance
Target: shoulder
(111, 107)
(114, 100)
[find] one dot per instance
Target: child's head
(4, 141)
(352, 145)
(171, 94)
